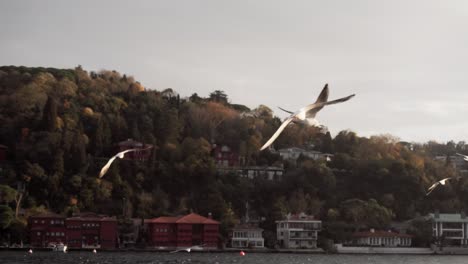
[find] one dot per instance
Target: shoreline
(339, 250)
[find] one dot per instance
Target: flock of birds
(305, 115)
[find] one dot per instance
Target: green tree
(6, 216)
(7, 194)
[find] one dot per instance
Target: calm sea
(7, 257)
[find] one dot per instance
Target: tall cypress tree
(49, 115)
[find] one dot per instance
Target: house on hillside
(225, 157)
(292, 154)
(272, 173)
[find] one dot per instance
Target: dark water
(7, 257)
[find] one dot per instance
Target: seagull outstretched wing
(312, 109)
(441, 182)
(196, 247)
(308, 111)
(464, 156)
(277, 133)
(118, 155)
(433, 186)
(289, 112)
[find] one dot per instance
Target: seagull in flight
(306, 115)
(441, 182)
(196, 247)
(118, 155)
(464, 156)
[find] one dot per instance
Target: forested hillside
(61, 125)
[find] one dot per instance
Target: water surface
(10, 257)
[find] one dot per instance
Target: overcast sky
(406, 61)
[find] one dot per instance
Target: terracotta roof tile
(195, 219)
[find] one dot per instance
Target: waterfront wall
(382, 250)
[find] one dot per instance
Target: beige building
(381, 238)
(298, 231)
(452, 227)
(247, 236)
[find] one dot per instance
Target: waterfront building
(91, 231)
(247, 236)
(452, 228)
(380, 238)
(81, 231)
(298, 231)
(46, 230)
(183, 231)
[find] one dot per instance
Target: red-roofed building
(91, 231)
(381, 238)
(225, 157)
(143, 154)
(183, 231)
(46, 229)
(82, 231)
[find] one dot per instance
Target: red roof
(380, 233)
(79, 218)
(88, 216)
(187, 219)
(196, 219)
(164, 219)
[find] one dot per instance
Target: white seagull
(118, 155)
(464, 156)
(196, 247)
(441, 182)
(306, 114)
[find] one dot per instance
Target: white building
(381, 239)
(458, 162)
(271, 173)
(247, 236)
(298, 231)
(452, 227)
(294, 153)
